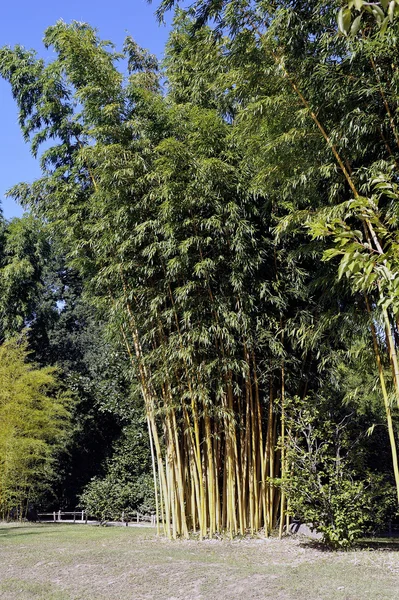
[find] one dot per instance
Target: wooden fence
(81, 516)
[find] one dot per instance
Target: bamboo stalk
(283, 465)
(386, 104)
(236, 480)
(148, 401)
(386, 400)
(245, 446)
(211, 474)
(267, 463)
(392, 353)
(174, 441)
(217, 471)
(194, 471)
(154, 473)
(262, 499)
(194, 409)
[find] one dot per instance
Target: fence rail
(82, 516)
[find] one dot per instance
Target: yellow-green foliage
(33, 421)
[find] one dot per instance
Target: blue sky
(23, 22)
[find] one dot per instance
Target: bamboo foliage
(175, 253)
(34, 419)
(168, 207)
(327, 62)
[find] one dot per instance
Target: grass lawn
(78, 562)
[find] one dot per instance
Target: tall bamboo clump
(156, 216)
(186, 288)
(345, 148)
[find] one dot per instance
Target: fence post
(82, 514)
(123, 517)
(74, 516)
(86, 518)
(138, 517)
(54, 517)
(59, 515)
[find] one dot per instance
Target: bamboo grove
(34, 420)
(201, 218)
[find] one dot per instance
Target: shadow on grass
(390, 544)
(29, 529)
(386, 543)
(316, 545)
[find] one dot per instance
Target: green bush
(324, 487)
(108, 498)
(127, 485)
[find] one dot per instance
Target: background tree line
(52, 342)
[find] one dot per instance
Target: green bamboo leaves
(344, 20)
(383, 13)
(188, 215)
(33, 423)
(368, 270)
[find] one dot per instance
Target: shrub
(322, 484)
(127, 485)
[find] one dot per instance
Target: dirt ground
(78, 562)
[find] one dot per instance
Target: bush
(127, 485)
(106, 499)
(323, 486)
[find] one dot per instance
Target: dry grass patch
(67, 562)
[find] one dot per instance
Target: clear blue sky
(23, 22)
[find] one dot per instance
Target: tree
(169, 244)
(24, 251)
(74, 340)
(327, 486)
(34, 418)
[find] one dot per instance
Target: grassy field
(78, 562)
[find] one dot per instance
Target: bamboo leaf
(378, 13)
(344, 20)
(384, 25)
(356, 25)
(391, 10)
